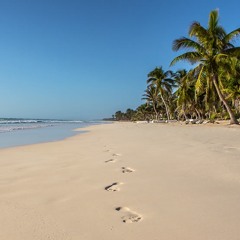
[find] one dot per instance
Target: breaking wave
(15, 124)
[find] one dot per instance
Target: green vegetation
(211, 90)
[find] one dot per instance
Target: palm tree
(119, 115)
(179, 75)
(211, 48)
(151, 96)
(232, 88)
(144, 112)
(184, 93)
(163, 83)
(129, 114)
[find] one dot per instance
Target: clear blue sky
(86, 59)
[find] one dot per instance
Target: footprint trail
(127, 170)
(116, 155)
(114, 187)
(128, 215)
(110, 160)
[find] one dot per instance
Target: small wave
(63, 121)
(18, 121)
(15, 124)
(29, 121)
(16, 128)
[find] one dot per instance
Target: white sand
(124, 181)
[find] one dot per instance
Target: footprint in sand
(231, 149)
(113, 187)
(128, 215)
(116, 155)
(127, 170)
(110, 160)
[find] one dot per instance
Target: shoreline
(125, 180)
(40, 135)
(81, 130)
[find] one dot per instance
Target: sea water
(17, 132)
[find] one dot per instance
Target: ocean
(18, 132)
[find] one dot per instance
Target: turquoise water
(24, 132)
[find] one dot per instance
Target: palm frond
(235, 52)
(150, 80)
(232, 35)
(220, 32)
(196, 30)
(199, 83)
(228, 45)
(192, 57)
(186, 43)
(213, 20)
(219, 57)
(169, 73)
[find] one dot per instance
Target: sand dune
(124, 181)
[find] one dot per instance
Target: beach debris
(194, 121)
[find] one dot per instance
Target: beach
(124, 181)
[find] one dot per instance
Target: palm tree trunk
(165, 105)
(155, 110)
(185, 116)
(233, 119)
(184, 113)
(198, 114)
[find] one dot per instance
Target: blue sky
(86, 59)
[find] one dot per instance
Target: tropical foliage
(210, 90)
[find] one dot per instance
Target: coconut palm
(163, 83)
(179, 75)
(129, 114)
(211, 48)
(144, 112)
(232, 82)
(119, 115)
(184, 93)
(151, 96)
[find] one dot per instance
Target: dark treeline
(210, 90)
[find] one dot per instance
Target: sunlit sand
(124, 181)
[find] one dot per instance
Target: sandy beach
(124, 181)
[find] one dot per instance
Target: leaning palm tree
(163, 83)
(211, 48)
